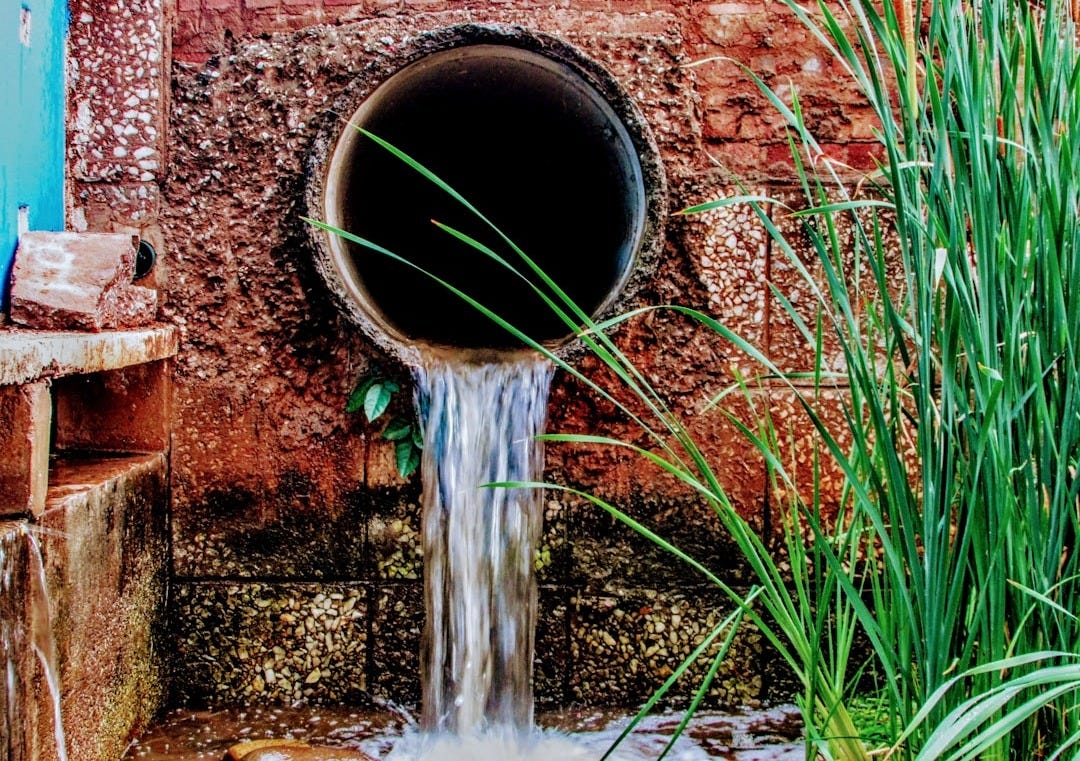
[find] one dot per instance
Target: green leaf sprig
(373, 394)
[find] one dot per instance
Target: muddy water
(585, 734)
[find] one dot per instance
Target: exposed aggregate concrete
(261, 643)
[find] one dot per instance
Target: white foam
(540, 745)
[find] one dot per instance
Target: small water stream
(25, 628)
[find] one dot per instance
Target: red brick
(864, 123)
(356, 10)
(425, 6)
(384, 7)
(742, 159)
(722, 79)
(644, 24)
(592, 5)
(302, 16)
(186, 46)
(729, 24)
(191, 52)
(779, 163)
(858, 158)
(764, 126)
(667, 6)
(723, 124)
(631, 6)
(81, 281)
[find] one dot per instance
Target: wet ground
(763, 735)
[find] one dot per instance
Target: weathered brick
(384, 7)
(593, 5)
(81, 281)
(631, 6)
(740, 158)
(729, 24)
(426, 6)
(221, 5)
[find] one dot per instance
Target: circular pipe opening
(530, 142)
(145, 258)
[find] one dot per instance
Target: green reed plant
(958, 317)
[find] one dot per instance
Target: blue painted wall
(32, 43)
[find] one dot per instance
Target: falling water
(481, 423)
(480, 427)
(25, 620)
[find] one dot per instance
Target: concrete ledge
(26, 355)
(105, 542)
(73, 480)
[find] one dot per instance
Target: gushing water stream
(480, 427)
(481, 423)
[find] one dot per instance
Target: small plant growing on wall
(373, 395)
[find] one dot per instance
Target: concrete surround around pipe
(534, 134)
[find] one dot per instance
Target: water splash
(540, 745)
(26, 620)
(390, 733)
(480, 426)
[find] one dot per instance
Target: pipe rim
(337, 139)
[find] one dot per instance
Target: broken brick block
(78, 281)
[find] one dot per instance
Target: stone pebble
(285, 749)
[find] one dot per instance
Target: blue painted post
(33, 38)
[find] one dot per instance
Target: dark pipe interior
(534, 148)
